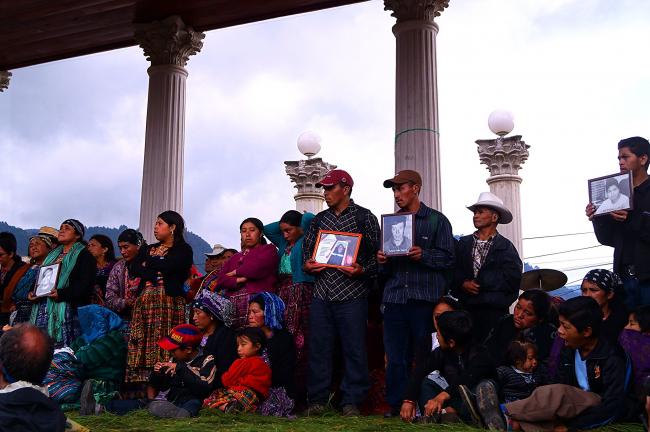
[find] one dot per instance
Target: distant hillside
(199, 246)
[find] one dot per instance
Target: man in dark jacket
(488, 269)
(25, 356)
(628, 231)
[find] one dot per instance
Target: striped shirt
(332, 284)
(424, 279)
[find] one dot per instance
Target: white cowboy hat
(216, 250)
(491, 201)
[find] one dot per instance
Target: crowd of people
(428, 336)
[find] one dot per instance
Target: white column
(5, 76)
(305, 174)
(168, 45)
(504, 158)
(416, 92)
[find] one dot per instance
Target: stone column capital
(168, 42)
(415, 10)
(5, 76)
(503, 156)
(305, 174)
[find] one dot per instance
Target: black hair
(253, 334)
(642, 316)
(541, 303)
(456, 326)
(258, 224)
(8, 242)
(170, 217)
(258, 299)
(132, 236)
(107, 243)
(292, 217)
(611, 182)
(582, 312)
(26, 353)
(398, 220)
(637, 145)
(517, 351)
(449, 301)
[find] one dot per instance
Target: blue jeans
(347, 320)
(405, 325)
(637, 293)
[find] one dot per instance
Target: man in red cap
(340, 303)
(413, 283)
(188, 377)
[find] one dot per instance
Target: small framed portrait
(397, 233)
(48, 276)
(337, 249)
(611, 193)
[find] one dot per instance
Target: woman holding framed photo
(56, 312)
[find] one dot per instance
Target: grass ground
(209, 421)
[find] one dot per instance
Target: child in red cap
(186, 378)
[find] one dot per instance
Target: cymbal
(544, 279)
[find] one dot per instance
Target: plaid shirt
(480, 251)
(332, 284)
(424, 279)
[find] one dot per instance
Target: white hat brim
(505, 216)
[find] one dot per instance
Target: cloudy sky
(575, 73)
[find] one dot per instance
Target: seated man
(460, 364)
(25, 356)
(591, 379)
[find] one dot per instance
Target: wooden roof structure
(39, 31)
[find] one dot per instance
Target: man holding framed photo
(628, 231)
(414, 281)
(340, 304)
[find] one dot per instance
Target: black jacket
(82, 281)
(193, 380)
(28, 410)
(513, 386)
(607, 376)
(631, 237)
(174, 267)
(282, 355)
(542, 335)
(499, 277)
(468, 368)
(612, 327)
(222, 345)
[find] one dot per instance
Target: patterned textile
(480, 251)
(216, 305)
(285, 263)
(278, 404)
(19, 297)
(637, 346)
(240, 302)
(70, 329)
(154, 315)
(332, 284)
(240, 401)
(209, 282)
(297, 299)
(273, 309)
(64, 377)
(605, 279)
(101, 278)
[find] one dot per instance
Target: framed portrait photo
(397, 233)
(48, 276)
(336, 249)
(611, 193)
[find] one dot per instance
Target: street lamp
(309, 143)
(501, 122)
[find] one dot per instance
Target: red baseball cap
(335, 177)
(184, 335)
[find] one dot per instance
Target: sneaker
(470, 405)
(165, 409)
(488, 405)
(87, 400)
(350, 410)
(315, 410)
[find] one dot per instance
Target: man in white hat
(488, 267)
(213, 262)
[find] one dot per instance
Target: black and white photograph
(397, 233)
(47, 279)
(337, 249)
(611, 193)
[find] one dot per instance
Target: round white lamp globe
(309, 143)
(501, 122)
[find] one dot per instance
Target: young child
(187, 378)
(519, 379)
(635, 340)
(459, 363)
(590, 390)
(248, 380)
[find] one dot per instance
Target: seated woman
(530, 322)
(102, 249)
(57, 313)
(249, 272)
(635, 340)
(266, 311)
(39, 246)
(122, 288)
(606, 288)
(213, 315)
